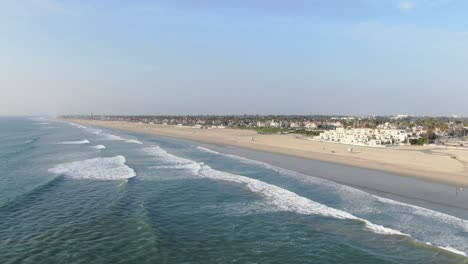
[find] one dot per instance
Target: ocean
(76, 194)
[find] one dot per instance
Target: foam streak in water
(134, 141)
(99, 147)
(113, 137)
(76, 125)
(78, 142)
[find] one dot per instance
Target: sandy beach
(449, 166)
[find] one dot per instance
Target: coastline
(410, 190)
(447, 166)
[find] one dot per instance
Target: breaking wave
(119, 138)
(113, 137)
(112, 168)
(99, 147)
(278, 197)
(288, 201)
(76, 125)
(172, 161)
(454, 250)
(413, 218)
(106, 136)
(93, 130)
(78, 142)
(133, 141)
(241, 159)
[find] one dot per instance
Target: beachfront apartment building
(365, 136)
(287, 124)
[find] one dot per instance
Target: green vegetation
(308, 133)
(269, 130)
(428, 138)
(276, 130)
(419, 141)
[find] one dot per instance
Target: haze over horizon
(363, 57)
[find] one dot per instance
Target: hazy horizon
(357, 58)
(237, 115)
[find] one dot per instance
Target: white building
(261, 124)
(311, 126)
(365, 136)
(273, 123)
(295, 124)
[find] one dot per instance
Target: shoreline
(410, 190)
(447, 166)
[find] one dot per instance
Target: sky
(178, 57)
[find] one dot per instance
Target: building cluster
(369, 131)
(280, 122)
(367, 136)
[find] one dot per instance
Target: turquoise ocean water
(76, 194)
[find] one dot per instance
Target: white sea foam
(119, 138)
(410, 219)
(112, 168)
(88, 129)
(288, 201)
(241, 159)
(78, 142)
(279, 198)
(172, 161)
(93, 130)
(99, 147)
(208, 150)
(454, 250)
(76, 125)
(113, 137)
(134, 141)
(106, 136)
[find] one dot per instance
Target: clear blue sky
(363, 57)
